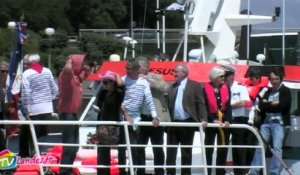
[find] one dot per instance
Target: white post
(127, 39)
(133, 42)
(203, 49)
(125, 52)
(36, 146)
(12, 26)
(177, 50)
(248, 33)
(186, 27)
(164, 31)
(49, 32)
(157, 24)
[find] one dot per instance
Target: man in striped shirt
(159, 88)
(137, 94)
(38, 89)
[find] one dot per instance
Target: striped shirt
(137, 95)
(38, 91)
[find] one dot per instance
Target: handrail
(31, 123)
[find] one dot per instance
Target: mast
(283, 32)
(248, 34)
(157, 25)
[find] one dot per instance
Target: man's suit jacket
(194, 102)
(159, 89)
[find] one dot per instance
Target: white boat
(215, 23)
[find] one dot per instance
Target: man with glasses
(275, 108)
(137, 94)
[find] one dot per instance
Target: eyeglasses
(4, 71)
(107, 81)
(131, 68)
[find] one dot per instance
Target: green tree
(38, 14)
(6, 42)
(96, 13)
(99, 48)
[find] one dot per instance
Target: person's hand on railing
(226, 124)
(204, 124)
(129, 119)
(155, 122)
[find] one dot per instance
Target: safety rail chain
(128, 145)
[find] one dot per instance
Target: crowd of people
(145, 96)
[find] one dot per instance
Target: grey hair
(183, 68)
(34, 58)
(26, 56)
(143, 61)
(134, 63)
(4, 63)
(215, 73)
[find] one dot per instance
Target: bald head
(181, 72)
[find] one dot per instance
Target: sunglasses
(131, 68)
(107, 81)
(4, 71)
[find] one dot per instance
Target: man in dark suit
(186, 103)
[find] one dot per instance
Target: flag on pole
(16, 57)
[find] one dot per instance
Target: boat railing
(126, 125)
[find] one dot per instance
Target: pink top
(70, 85)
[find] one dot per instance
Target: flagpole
(158, 13)
(283, 32)
(248, 34)
(16, 56)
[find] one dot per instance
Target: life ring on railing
(28, 169)
(87, 157)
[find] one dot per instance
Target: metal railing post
(35, 144)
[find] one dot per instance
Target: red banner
(197, 71)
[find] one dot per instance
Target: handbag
(108, 135)
(257, 121)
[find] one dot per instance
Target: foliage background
(67, 17)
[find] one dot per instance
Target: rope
(220, 118)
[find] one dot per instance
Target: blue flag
(16, 57)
